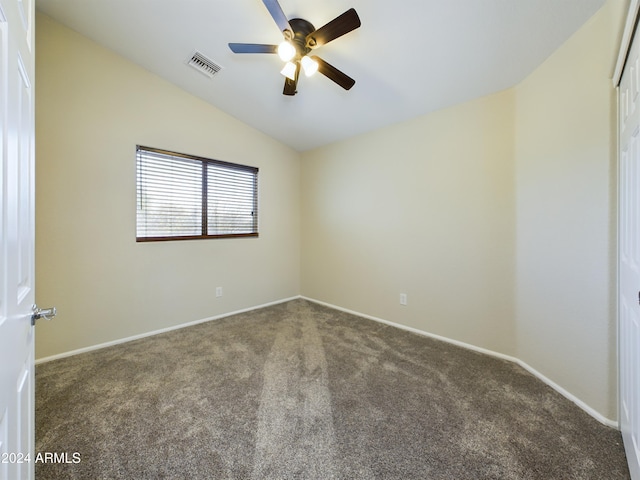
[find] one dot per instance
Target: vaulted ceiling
(409, 57)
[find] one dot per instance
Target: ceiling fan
(300, 38)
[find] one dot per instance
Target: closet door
(629, 257)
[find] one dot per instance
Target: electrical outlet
(403, 299)
(218, 291)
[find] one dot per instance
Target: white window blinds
(185, 197)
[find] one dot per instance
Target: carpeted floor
(301, 391)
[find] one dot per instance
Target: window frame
(204, 196)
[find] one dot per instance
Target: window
(182, 197)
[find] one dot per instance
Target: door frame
(627, 37)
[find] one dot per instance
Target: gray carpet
(301, 391)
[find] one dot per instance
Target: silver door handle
(46, 313)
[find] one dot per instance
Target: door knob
(46, 313)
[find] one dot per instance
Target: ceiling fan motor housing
(301, 29)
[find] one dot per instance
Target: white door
(629, 258)
(16, 239)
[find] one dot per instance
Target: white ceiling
(408, 58)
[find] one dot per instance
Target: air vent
(204, 65)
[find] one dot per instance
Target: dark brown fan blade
(331, 72)
(337, 27)
(280, 18)
(291, 86)
(252, 48)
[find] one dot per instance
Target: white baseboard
(156, 332)
(594, 413)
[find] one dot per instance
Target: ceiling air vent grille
(204, 65)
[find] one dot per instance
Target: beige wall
(93, 107)
(565, 186)
(496, 217)
(424, 208)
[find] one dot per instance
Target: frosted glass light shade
(309, 65)
(286, 51)
(289, 71)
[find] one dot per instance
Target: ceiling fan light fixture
(300, 38)
(286, 51)
(309, 65)
(289, 71)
